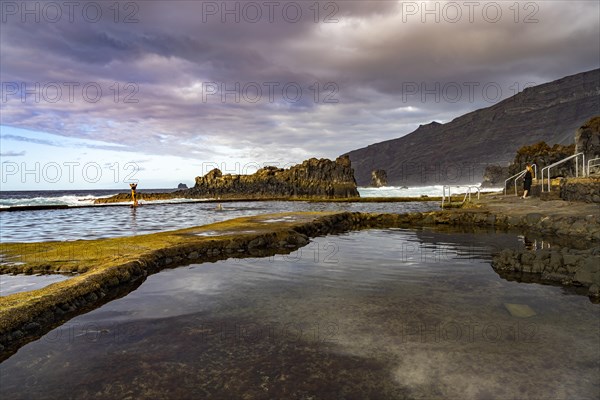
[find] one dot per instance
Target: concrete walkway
(518, 207)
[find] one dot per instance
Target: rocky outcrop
(312, 179)
(182, 186)
(494, 176)
(542, 155)
(379, 178)
(587, 139)
(458, 151)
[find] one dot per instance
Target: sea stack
(378, 178)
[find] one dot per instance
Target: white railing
(590, 165)
(514, 176)
(575, 156)
(519, 175)
(470, 190)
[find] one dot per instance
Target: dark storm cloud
(360, 77)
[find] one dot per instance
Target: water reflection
(133, 223)
(374, 314)
(534, 244)
(10, 284)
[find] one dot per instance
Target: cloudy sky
(95, 94)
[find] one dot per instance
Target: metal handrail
(589, 164)
(514, 176)
(520, 175)
(547, 168)
(468, 192)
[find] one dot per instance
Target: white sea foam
(68, 200)
(415, 191)
(72, 201)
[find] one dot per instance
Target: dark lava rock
(543, 155)
(32, 326)
(587, 139)
(494, 176)
(379, 178)
(312, 178)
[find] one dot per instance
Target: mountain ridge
(458, 151)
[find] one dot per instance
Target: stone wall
(564, 266)
(580, 189)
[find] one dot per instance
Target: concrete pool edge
(121, 263)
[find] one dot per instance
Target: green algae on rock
(110, 266)
(106, 265)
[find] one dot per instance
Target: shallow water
(377, 314)
(102, 222)
(10, 284)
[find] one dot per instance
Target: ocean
(71, 198)
(74, 198)
(93, 222)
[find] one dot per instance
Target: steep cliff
(459, 151)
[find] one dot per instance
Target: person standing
(133, 187)
(527, 180)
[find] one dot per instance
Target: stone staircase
(554, 194)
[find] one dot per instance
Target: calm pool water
(10, 284)
(379, 314)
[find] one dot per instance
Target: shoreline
(110, 266)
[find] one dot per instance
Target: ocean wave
(415, 191)
(68, 200)
(77, 201)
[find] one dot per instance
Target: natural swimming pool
(371, 314)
